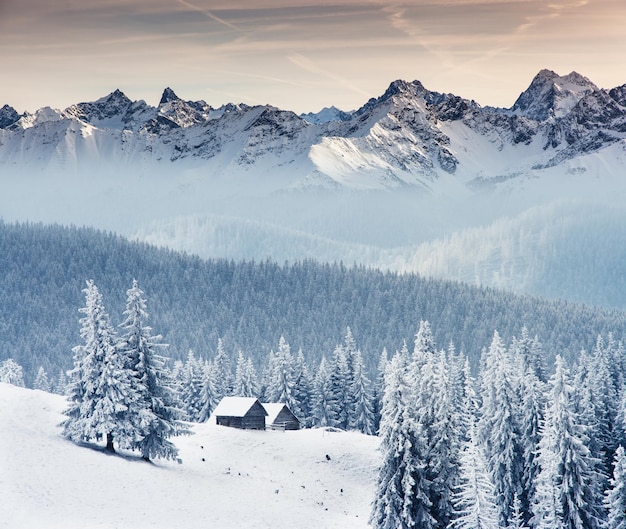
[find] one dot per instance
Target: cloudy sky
(300, 55)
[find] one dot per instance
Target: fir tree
(499, 427)
(12, 373)
(246, 384)
(41, 380)
(568, 463)
(474, 500)
(154, 411)
(282, 382)
(401, 501)
(208, 393)
(191, 387)
(303, 390)
(102, 387)
(223, 372)
(615, 496)
(362, 418)
(322, 411)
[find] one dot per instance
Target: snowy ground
(228, 478)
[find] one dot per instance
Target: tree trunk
(109, 445)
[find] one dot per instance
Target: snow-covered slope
(228, 478)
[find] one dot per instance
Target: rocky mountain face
(409, 136)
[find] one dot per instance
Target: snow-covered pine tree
(322, 412)
(362, 416)
(190, 387)
(154, 411)
(102, 389)
(303, 390)
(340, 382)
(547, 511)
(246, 383)
(12, 373)
(517, 516)
(615, 496)
(435, 416)
(474, 499)
(531, 394)
(282, 382)
(223, 372)
(401, 501)
(208, 393)
(60, 386)
(499, 427)
(378, 387)
(41, 380)
(575, 474)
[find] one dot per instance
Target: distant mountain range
(414, 180)
(409, 136)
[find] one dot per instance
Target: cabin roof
(273, 409)
(235, 406)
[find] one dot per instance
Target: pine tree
(615, 496)
(282, 382)
(322, 412)
(41, 380)
(208, 393)
(154, 411)
(191, 387)
(499, 428)
(516, 521)
(12, 373)
(303, 390)
(401, 501)
(246, 384)
(340, 383)
(475, 498)
(566, 463)
(223, 372)
(102, 388)
(378, 387)
(362, 418)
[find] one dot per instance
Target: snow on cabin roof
(234, 406)
(273, 409)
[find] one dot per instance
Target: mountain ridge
(408, 136)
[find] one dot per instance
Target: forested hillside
(249, 305)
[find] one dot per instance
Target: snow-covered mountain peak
(8, 116)
(551, 95)
(106, 112)
(168, 96)
(182, 113)
(326, 115)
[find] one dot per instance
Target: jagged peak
(552, 95)
(399, 87)
(114, 97)
(8, 116)
(168, 96)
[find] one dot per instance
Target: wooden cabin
(246, 413)
(280, 417)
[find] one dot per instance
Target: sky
(299, 55)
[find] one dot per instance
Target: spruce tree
(615, 496)
(208, 393)
(475, 497)
(41, 380)
(565, 451)
(500, 429)
(401, 501)
(154, 411)
(102, 389)
(362, 417)
(322, 411)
